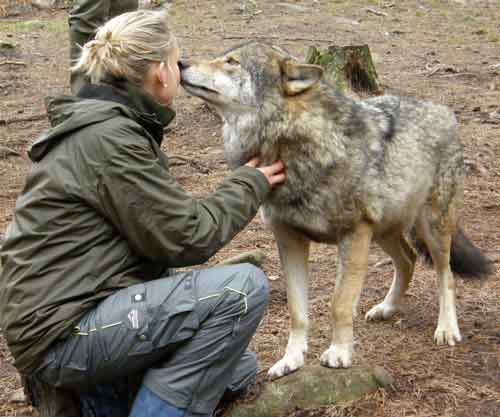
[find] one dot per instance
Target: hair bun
(125, 47)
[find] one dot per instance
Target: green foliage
(34, 26)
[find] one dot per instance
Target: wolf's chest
(317, 210)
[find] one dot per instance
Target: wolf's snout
(183, 64)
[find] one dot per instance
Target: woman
(84, 295)
(85, 17)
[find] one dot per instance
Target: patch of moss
(34, 25)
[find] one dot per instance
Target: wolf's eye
(232, 61)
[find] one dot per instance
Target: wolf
(382, 169)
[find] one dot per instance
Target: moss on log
(347, 67)
(312, 387)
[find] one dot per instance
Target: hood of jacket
(96, 103)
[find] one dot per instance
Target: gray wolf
(380, 169)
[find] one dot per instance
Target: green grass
(34, 25)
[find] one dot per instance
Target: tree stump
(348, 68)
(312, 387)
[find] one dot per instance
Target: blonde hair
(124, 47)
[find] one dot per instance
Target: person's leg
(147, 403)
(162, 324)
(244, 375)
(197, 374)
(122, 6)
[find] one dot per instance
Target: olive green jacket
(100, 211)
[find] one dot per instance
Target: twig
(459, 74)
(376, 12)
(5, 151)
(277, 38)
(23, 119)
(255, 257)
(13, 63)
(182, 160)
(383, 263)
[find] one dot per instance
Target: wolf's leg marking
(437, 234)
(351, 272)
(294, 254)
(404, 262)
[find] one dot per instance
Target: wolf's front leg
(294, 254)
(351, 272)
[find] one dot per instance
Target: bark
(349, 68)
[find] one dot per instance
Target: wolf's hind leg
(404, 259)
(294, 254)
(437, 231)
(351, 271)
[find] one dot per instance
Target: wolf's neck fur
(314, 136)
(241, 133)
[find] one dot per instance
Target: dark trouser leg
(188, 332)
(231, 311)
(244, 374)
(84, 20)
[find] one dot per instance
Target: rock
(17, 396)
(313, 387)
(295, 7)
(44, 4)
(384, 378)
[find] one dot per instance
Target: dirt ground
(445, 51)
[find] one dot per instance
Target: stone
(313, 387)
(44, 4)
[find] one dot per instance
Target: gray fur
(356, 171)
(379, 159)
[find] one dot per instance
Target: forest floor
(444, 51)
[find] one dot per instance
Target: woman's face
(164, 79)
(173, 76)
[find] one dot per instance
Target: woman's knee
(258, 279)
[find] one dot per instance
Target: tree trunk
(349, 68)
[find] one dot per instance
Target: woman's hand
(275, 173)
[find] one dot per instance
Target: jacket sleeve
(160, 220)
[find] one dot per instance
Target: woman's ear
(162, 74)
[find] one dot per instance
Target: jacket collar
(151, 115)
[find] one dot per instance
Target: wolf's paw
(447, 335)
(288, 364)
(382, 311)
(337, 356)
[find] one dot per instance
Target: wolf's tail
(466, 259)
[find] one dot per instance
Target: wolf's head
(255, 88)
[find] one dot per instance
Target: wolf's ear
(298, 78)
